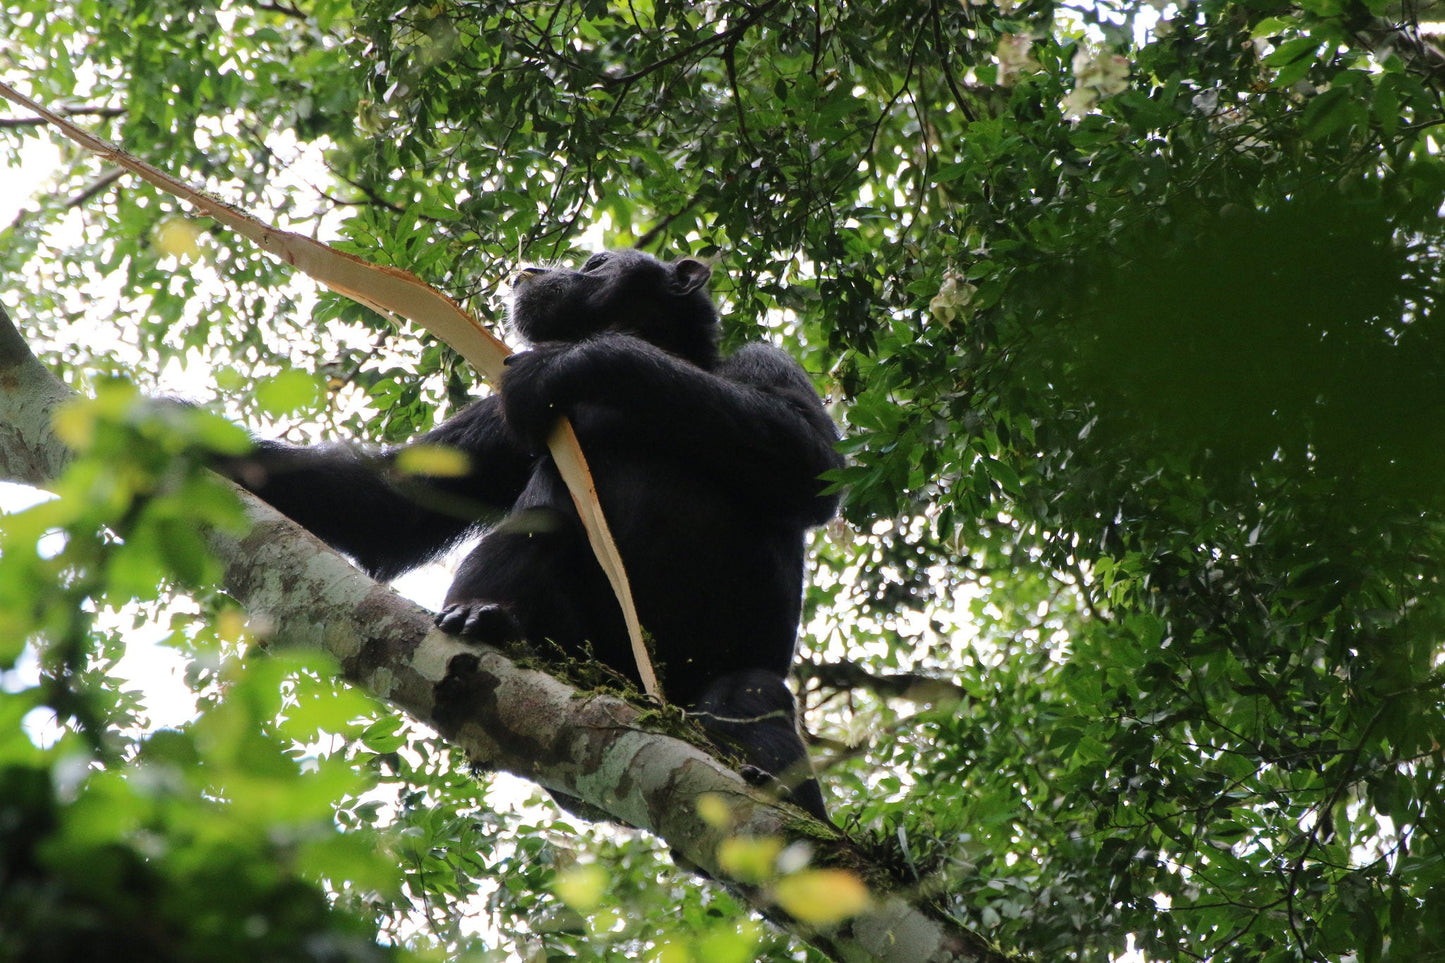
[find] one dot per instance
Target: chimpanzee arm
(756, 418)
(389, 521)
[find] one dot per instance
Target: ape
(706, 467)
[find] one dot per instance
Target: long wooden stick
(396, 293)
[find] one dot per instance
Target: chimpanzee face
(625, 291)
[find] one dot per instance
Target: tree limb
(16, 123)
(916, 686)
(1384, 37)
(593, 746)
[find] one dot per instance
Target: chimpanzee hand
(480, 620)
(535, 392)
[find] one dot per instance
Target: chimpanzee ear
(689, 275)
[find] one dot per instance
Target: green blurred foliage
(124, 840)
(1139, 368)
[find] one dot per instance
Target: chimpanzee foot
(806, 795)
(485, 622)
(762, 779)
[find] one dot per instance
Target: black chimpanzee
(707, 469)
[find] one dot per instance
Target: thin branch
(916, 686)
(98, 186)
(730, 62)
(692, 51)
(285, 9)
(947, 70)
(1420, 54)
(652, 233)
(13, 123)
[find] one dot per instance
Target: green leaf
(288, 392)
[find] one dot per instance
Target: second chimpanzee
(707, 468)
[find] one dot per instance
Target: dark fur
(707, 469)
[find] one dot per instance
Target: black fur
(707, 470)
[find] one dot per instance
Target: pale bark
(586, 745)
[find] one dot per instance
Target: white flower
(1015, 57)
(1080, 101)
(1106, 74)
(1097, 76)
(953, 300)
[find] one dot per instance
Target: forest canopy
(1129, 645)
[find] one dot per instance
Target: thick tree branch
(29, 451)
(588, 745)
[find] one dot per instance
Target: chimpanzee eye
(594, 262)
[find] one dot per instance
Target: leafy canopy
(1130, 316)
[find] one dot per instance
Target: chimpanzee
(707, 468)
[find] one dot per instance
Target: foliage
(1130, 314)
(132, 840)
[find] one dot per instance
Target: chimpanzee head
(627, 291)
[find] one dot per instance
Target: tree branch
(693, 51)
(588, 745)
(1384, 37)
(15, 123)
(915, 686)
